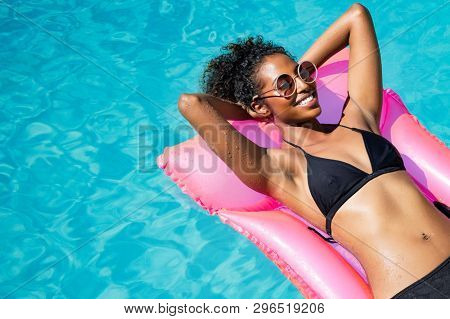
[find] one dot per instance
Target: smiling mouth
(307, 100)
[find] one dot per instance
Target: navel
(425, 236)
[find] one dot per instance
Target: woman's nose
(301, 85)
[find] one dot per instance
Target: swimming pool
(85, 213)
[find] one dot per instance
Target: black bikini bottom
(435, 285)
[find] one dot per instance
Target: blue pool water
(79, 217)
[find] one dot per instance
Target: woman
(346, 179)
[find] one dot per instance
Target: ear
(259, 110)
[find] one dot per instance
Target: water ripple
(69, 138)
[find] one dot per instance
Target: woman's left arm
(365, 85)
(355, 28)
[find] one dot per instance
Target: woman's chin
(312, 110)
(317, 109)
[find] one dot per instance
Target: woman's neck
(305, 133)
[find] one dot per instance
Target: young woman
(346, 179)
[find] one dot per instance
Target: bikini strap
(327, 239)
(296, 146)
(351, 128)
(356, 129)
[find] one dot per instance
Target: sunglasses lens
(285, 85)
(307, 71)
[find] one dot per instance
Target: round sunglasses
(285, 85)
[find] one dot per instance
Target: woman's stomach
(396, 234)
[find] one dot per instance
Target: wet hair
(232, 74)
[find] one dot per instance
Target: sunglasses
(285, 85)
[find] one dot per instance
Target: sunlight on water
(78, 78)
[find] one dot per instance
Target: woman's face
(287, 110)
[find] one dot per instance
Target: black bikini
(435, 285)
(332, 182)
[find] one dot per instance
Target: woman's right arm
(248, 161)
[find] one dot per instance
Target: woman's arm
(248, 161)
(355, 28)
(332, 40)
(228, 110)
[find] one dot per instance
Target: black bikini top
(332, 182)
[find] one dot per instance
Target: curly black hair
(232, 74)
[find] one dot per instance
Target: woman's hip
(434, 285)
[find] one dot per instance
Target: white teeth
(306, 101)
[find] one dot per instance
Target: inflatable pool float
(295, 246)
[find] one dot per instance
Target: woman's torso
(396, 234)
